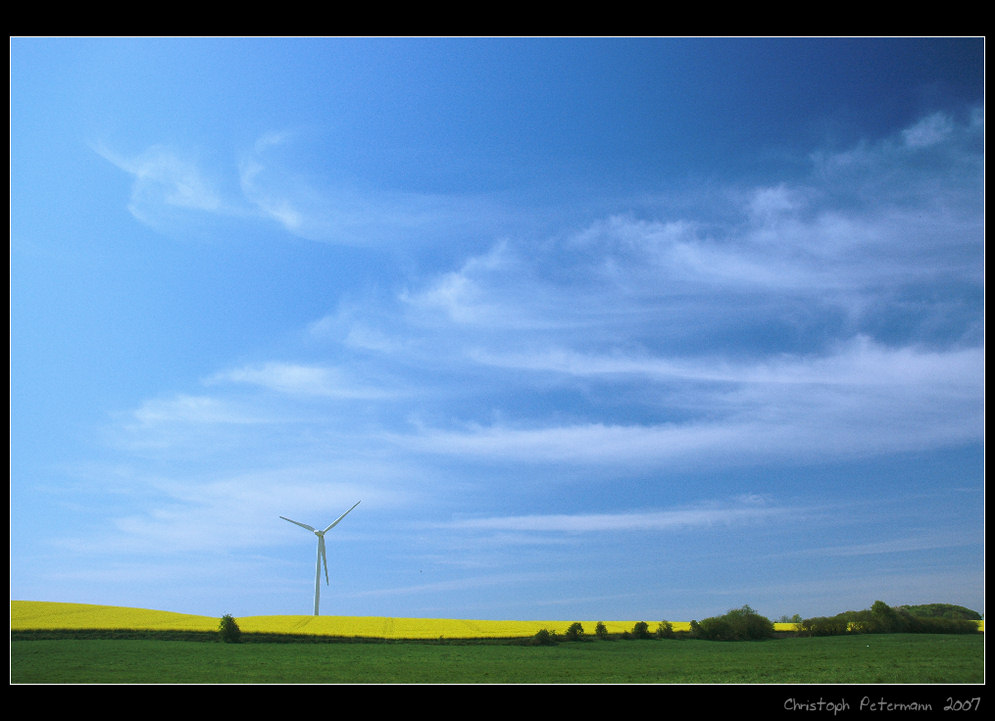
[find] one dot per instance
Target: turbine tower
(322, 558)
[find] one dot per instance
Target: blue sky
(594, 328)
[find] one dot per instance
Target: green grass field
(864, 659)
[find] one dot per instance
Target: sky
(592, 328)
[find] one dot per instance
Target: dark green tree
(229, 630)
(887, 619)
(575, 632)
(739, 624)
(641, 630)
(941, 610)
(665, 630)
(544, 637)
(601, 630)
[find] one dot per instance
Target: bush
(575, 632)
(641, 630)
(824, 626)
(888, 619)
(544, 637)
(919, 624)
(601, 631)
(665, 630)
(739, 624)
(715, 628)
(229, 630)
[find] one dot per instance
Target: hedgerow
(739, 624)
(882, 618)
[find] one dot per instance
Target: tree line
(882, 618)
(745, 624)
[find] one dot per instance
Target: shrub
(888, 619)
(824, 626)
(641, 630)
(544, 637)
(575, 632)
(665, 630)
(919, 624)
(601, 630)
(229, 630)
(715, 628)
(739, 624)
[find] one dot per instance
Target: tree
(601, 630)
(544, 637)
(641, 630)
(575, 632)
(941, 610)
(887, 619)
(665, 630)
(229, 630)
(739, 624)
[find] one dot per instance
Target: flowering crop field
(41, 615)
(417, 628)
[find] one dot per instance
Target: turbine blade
(302, 525)
(324, 556)
(339, 518)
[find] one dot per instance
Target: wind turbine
(322, 558)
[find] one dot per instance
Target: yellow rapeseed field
(32, 615)
(35, 615)
(41, 615)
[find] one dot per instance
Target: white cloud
(863, 398)
(164, 177)
(929, 131)
(890, 244)
(929, 540)
(748, 510)
(192, 410)
(857, 362)
(302, 380)
(768, 203)
(328, 205)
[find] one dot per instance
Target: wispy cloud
(747, 510)
(903, 544)
(330, 206)
(166, 178)
(669, 312)
(857, 362)
(301, 379)
(808, 250)
(192, 410)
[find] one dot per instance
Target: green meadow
(860, 659)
